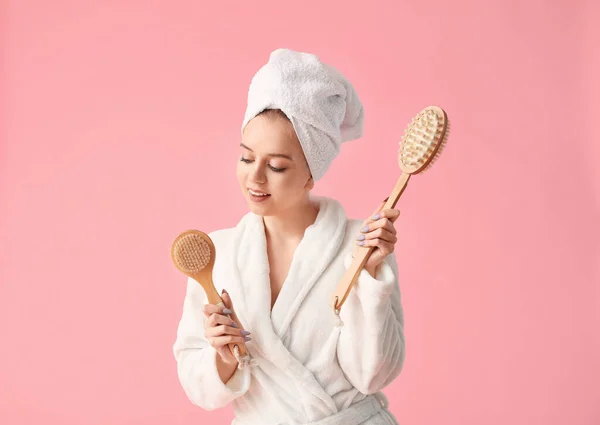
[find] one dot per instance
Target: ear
(310, 183)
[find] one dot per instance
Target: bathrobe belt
(358, 412)
(353, 415)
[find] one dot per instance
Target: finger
(386, 248)
(380, 207)
(392, 214)
(377, 211)
(221, 330)
(218, 319)
(382, 223)
(380, 233)
(209, 309)
(227, 300)
(220, 341)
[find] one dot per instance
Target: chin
(259, 209)
(256, 209)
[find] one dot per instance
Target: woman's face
(272, 170)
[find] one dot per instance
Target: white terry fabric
(308, 369)
(319, 101)
(371, 409)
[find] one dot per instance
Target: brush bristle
(191, 253)
(441, 147)
(421, 139)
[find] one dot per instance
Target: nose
(257, 174)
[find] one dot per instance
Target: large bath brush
(193, 253)
(421, 145)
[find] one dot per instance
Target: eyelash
(277, 170)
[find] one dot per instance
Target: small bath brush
(421, 145)
(193, 253)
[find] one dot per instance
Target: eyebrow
(276, 155)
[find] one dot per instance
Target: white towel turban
(319, 101)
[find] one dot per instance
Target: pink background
(120, 128)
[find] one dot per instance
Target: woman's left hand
(378, 231)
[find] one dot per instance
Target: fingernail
(234, 324)
(360, 238)
(227, 311)
(245, 332)
(376, 217)
(223, 292)
(386, 199)
(247, 338)
(361, 243)
(365, 229)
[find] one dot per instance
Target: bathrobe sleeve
(196, 358)
(371, 344)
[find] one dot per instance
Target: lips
(258, 193)
(258, 196)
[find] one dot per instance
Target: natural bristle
(423, 140)
(441, 146)
(191, 253)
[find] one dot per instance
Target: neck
(290, 225)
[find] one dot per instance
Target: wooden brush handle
(214, 298)
(358, 262)
(243, 351)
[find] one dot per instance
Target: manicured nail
(376, 217)
(365, 229)
(244, 332)
(227, 311)
(386, 199)
(233, 324)
(247, 338)
(361, 243)
(360, 238)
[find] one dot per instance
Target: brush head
(423, 140)
(192, 251)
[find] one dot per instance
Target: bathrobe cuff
(371, 340)
(237, 385)
(376, 288)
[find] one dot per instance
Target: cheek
(290, 186)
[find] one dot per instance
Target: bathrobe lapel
(250, 288)
(318, 247)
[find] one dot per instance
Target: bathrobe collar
(245, 273)
(318, 247)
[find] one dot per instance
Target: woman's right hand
(220, 330)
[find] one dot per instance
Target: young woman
(281, 263)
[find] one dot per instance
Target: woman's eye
(277, 170)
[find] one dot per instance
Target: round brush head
(423, 140)
(192, 251)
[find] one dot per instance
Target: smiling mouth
(258, 194)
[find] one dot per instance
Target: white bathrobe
(308, 368)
